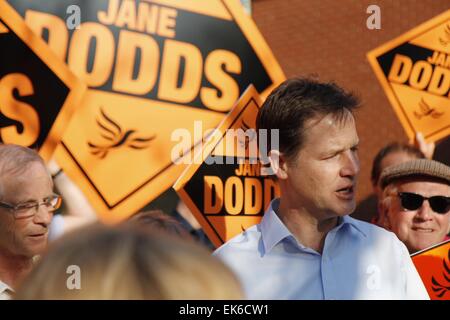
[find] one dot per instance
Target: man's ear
(383, 217)
(278, 164)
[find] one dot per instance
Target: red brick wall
(329, 38)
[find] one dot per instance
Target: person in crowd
(157, 221)
(415, 203)
(392, 153)
(126, 263)
(190, 223)
(27, 206)
(27, 203)
(307, 246)
(76, 210)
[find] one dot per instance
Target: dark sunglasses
(413, 201)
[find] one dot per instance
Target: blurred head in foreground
(157, 221)
(98, 262)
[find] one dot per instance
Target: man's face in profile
(322, 176)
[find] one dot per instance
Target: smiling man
(416, 202)
(306, 246)
(27, 203)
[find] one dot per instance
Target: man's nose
(350, 167)
(43, 215)
(425, 212)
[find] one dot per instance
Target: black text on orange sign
(11, 86)
(432, 75)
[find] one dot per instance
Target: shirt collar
(353, 223)
(274, 231)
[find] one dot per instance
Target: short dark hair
(391, 148)
(297, 100)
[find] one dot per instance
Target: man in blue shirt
(306, 246)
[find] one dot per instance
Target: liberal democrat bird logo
(438, 288)
(446, 39)
(426, 110)
(116, 137)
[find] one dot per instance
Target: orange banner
(433, 265)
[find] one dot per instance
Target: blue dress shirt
(359, 261)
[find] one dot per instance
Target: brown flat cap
(419, 167)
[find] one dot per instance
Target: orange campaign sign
(433, 265)
(228, 185)
(152, 67)
(38, 93)
(414, 70)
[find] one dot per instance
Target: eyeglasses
(413, 201)
(29, 209)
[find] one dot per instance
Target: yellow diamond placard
(414, 71)
(433, 265)
(152, 67)
(226, 186)
(38, 93)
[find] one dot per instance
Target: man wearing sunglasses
(416, 202)
(27, 203)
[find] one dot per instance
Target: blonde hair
(122, 263)
(158, 221)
